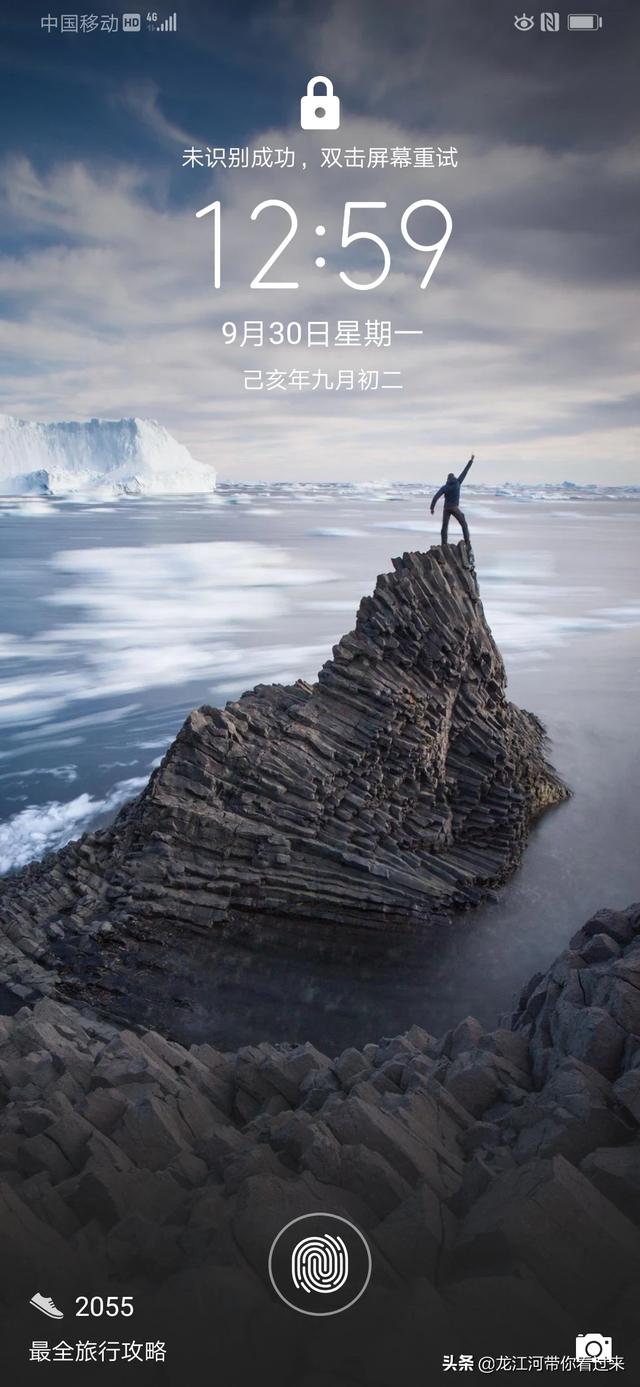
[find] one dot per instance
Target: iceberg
(104, 457)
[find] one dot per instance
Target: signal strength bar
(169, 25)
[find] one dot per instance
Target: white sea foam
(148, 617)
(68, 773)
(37, 830)
(104, 715)
(29, 510)
(336, 532)
(337, 606)
(419, 526)
(431, 527)
(116, 765)
(18, 751)
(522, 623)
(535, 564)
(281, 664)
(628, 615)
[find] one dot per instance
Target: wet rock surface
(493, 1173)
(337, 816)
(487, 1170)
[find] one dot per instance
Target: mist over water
(119, 618)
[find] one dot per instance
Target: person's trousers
(459, 515)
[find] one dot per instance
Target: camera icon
(595, 1347)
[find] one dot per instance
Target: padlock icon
(320, 110)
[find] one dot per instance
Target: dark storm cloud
(530, 325)
(464, 62)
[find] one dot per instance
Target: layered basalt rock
(397, 788)
(494, 1174)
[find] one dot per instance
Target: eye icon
(523, 22)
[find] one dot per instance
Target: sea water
(118, 618)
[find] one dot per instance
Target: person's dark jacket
(451, 489)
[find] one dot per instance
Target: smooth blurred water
(118, 618)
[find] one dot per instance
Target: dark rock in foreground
(495, 1176)
(398, 787)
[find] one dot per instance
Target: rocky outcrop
(396, 789)
(495, 1175)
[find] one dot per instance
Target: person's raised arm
(436, 498)
(466, 469)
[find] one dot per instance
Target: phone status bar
(552, 22)
(123, 23)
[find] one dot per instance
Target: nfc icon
(549, 21)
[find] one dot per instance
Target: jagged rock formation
(398, 787)
(495, 1176)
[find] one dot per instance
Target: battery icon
(584, 22)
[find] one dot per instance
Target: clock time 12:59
(352, 210)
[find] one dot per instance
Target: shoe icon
(45, 1304)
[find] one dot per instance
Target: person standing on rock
(451, 493)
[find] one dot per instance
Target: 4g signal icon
(162, 26)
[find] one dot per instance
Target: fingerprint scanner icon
(320, 1264)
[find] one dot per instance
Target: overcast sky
(528, 353)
